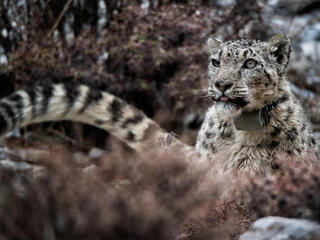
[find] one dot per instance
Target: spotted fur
(264, 86)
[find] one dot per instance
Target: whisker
(192, 92)
(206, 96)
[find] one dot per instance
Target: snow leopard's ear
(280, 48)
(213, 44)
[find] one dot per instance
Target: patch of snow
(3, 60)
(24, 34)
(102, 15)
(312, 32)
(5, 4)
(56, 35)
(273, 2)
(4, 33)
(69, 37)
(13, 24)
(225, 3)
(69, 33)
(311, 49)
(302, 92)
(104, 57)
(155, 3)
(145, 4)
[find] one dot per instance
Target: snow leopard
(254, 114)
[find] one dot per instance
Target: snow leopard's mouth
(237, 102)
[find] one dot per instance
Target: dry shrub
(249, 196)
(295, 193)
(120, 196)
(221, 218)
(147, 199)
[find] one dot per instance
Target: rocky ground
(151, 53)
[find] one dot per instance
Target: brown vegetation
(126, 198)
(156, 61)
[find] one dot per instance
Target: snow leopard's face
(245, 74)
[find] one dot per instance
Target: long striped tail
(88, 105)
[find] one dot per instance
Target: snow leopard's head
(245, 74)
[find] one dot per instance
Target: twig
(47, 4)
(63, 136)
(65, 8)
(70, 140)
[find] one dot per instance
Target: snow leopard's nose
(223, 85)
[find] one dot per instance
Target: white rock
(16, 166)
(95, 153)
(278, 228)
(80, 158)
(90, 169)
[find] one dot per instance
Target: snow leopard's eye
(250, 63)
(215, 62)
